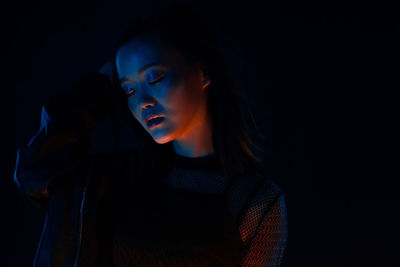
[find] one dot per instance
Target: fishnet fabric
(263, 228)
(161, 256)
(190, 233)
(256, 211)
(196, 180)
(268, 245)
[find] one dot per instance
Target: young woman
(189, 193)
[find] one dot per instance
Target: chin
(162, 139)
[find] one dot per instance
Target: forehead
(143, 50)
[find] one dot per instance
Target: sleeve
(51, 154)
(268, 244)
(61, 144)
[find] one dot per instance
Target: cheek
(133, 109)
(176, 97)
(183, 98)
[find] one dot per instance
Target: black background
(322, 77)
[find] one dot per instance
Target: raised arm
(60, 144)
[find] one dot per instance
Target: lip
(151, 127)
(148, 117)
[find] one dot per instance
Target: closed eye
(129, 90)
(157, 79)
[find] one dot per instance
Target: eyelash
(130, 92)
(158, 79)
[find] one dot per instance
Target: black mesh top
(180, 221)
(192, 217)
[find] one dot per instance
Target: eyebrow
(143, 68)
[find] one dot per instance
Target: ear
(205, 81)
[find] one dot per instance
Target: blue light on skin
(156, 77)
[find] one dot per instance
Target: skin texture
(172, 88)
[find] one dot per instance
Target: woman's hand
(83, 106)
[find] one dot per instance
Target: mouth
(154, 121)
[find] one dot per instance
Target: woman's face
(158, 81)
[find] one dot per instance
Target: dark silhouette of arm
(61, 143)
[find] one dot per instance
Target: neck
(196, 141)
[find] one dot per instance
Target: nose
(146, 101)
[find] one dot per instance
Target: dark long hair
(182, 27)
